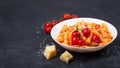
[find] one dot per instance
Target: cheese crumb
(50, 52)
(66, 57)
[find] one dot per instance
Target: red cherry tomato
(81, 42)
(75, 37)
(47, 27)
(86, 32)
(47, 30)
(74, 40)
(66, 16)
(74, 16)
(53, 23)
(47, 24)
(95, 38)
(76, 34)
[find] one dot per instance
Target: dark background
(22, 39)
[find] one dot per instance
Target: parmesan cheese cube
(66, 57)
(50, 52)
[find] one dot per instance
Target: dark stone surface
(22, 39)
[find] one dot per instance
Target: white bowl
(56, 29)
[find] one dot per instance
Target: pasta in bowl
(84, 34)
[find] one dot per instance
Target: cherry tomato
(74, 40)
(53, 23)
(95, 38)
(74, 16)
(86, 32)
(66, 16)
(76, 34)
(47, 30)
(81, 42)
(47, 27)
(47, 24)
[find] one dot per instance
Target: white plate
(56, 29)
